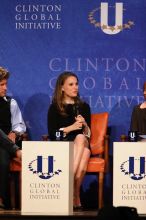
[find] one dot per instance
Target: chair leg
(100, 190)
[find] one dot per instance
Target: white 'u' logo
(132, 135)
(118, 20)
(57, 134)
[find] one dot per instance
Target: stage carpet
(78, 215)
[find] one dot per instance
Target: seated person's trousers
(7, 151)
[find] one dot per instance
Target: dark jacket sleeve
(52, 120)
(134, 120)
(87, 114)
(7, 144)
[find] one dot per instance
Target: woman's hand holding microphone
(79, 124)
(80, 119)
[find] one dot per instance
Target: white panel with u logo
(47, 177)
(129, 176)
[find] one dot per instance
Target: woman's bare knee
(81, 139)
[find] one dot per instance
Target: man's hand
(12, 136)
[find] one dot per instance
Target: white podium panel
(47, 178)
(129, 175)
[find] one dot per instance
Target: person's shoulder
(8, 98)
(12, 100)
(53, 107)
(85, 104)
(136, 108)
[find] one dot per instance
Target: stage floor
(87, 215)
(13, 214)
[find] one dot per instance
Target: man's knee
(4, 159)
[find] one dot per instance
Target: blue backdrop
(41, 39)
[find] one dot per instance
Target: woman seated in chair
(69, 114)
(138, 118)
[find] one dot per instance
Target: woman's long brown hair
(58, 94)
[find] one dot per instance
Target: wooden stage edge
(87, 215)
(13, 214)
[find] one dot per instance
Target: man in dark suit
(11, 127)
